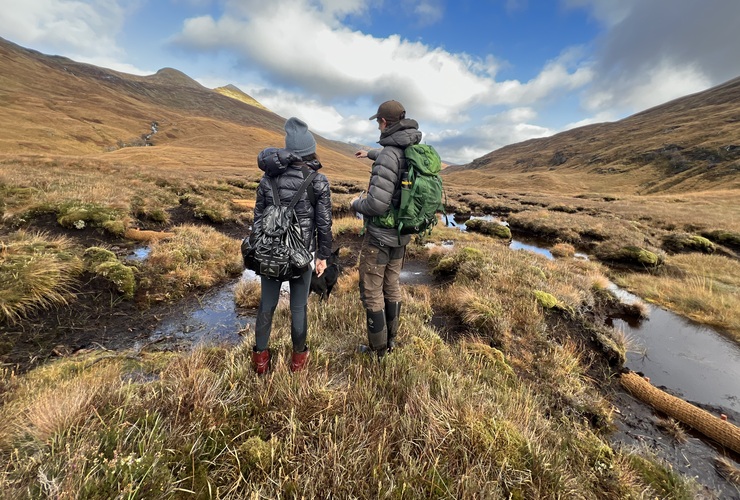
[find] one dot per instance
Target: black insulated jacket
(288, 169)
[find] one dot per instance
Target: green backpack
(421, 193)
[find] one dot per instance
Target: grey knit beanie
(297, 137)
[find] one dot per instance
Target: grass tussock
(434, 419)
(36, 271)
(563, 250)
(703, 287)
(247, 294)
(196, 257)
(728, 470)
(346, 225)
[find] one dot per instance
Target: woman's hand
(361, 154)
(320, 266)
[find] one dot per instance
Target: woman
(314, 214)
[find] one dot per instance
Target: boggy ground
(99, 318)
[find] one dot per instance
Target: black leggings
(299, 289)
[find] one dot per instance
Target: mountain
(236, 93)
(53, 106)
(688, 144)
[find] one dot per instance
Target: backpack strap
(297, 196)
(306, 185)
(275, 191)
(311, 194)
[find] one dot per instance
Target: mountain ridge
(687, 144)
(53, 106)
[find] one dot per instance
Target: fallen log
(723, 432)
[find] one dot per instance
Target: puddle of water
(415, 273)
(686, 357)
(140, 253)
(518, 245)
(212, 319)
(459, 220)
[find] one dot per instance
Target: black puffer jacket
(384, 188)
(315, 221)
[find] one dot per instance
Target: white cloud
(566, 73)
(652, 52)
(653, 86)
(318, 66)
(78, 29)
(334, 63)
(493, 132)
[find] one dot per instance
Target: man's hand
(361, 154)
(352, 203)
(320, 266)
(358, 197)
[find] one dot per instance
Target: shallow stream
(687, 359)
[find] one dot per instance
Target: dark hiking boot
(261, 361)
(377, 334)
(392, 317)
(368, 351)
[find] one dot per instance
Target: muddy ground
(100, 320)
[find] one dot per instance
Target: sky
(476, 75)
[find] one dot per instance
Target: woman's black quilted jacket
(315, 220)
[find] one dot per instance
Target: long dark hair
(312, 160)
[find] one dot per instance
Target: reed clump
(37, 271)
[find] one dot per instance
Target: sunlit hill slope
(52, 106)
(688, 144)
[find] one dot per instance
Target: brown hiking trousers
(380, 273)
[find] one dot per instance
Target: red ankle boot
(299, 360)
(261, 360)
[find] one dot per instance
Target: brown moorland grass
(195, 257)
(73, 158)
(611, 227)
(36, 271)
(435, 419)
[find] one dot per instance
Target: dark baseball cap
(392, 111)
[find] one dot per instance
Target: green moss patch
(105, 264)
(684, 242)
(78, 215)
(489, 228)
(630, 255)
(727, 238)
(467, 261)
(546, 300)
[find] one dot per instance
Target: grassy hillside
(54, 107)
(235, 93)
(689, 144)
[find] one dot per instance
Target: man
(383, 251)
